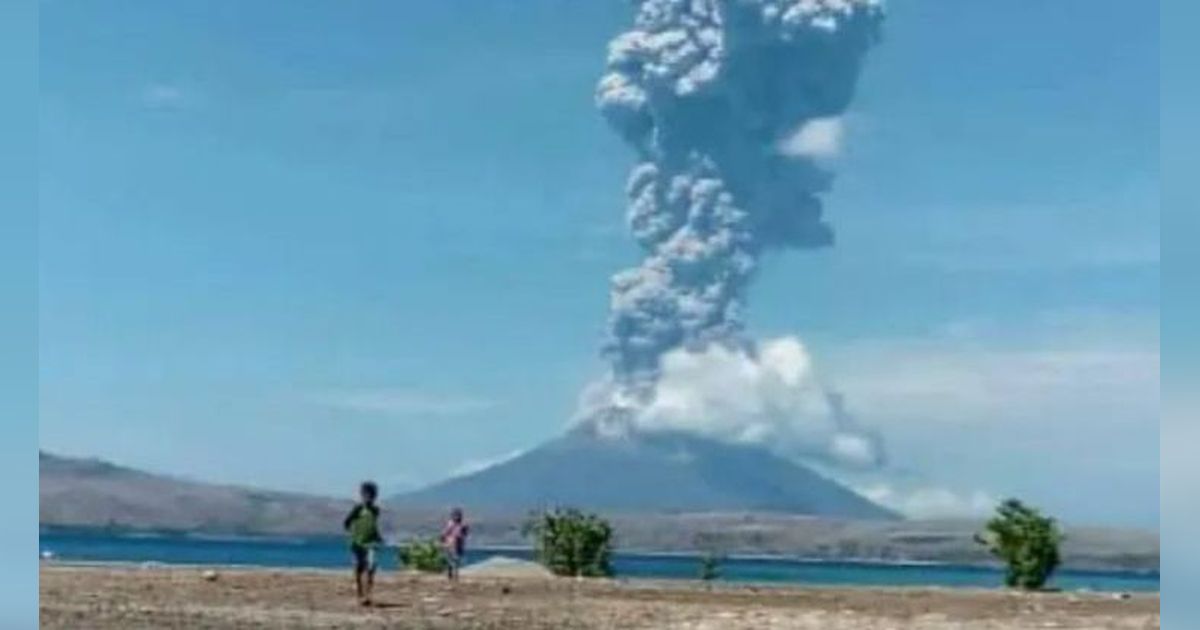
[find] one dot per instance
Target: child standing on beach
(362, 523)
(454, 542)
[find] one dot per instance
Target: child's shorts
(364, 557)
(453, 558)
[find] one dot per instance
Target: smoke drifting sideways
(731, 107)
(771, 398)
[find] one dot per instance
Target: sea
(331, 553)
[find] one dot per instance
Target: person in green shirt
(362, 524)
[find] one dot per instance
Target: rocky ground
(126, 597)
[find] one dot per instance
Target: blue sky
(1181, 357)
(296, 244)
(18, 314)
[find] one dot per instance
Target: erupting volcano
(732, 109)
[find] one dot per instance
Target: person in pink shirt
(454, 542)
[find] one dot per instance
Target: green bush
(1026, 541)
(422, 555)
(570, 542)
(710, 566)
(709, 544)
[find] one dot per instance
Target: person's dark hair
(369, 489)
(456, 514)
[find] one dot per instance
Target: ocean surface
(90, 546)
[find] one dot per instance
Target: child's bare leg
(368, 569)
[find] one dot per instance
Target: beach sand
(129, 597)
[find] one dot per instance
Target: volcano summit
(663, 472)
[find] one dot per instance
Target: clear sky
(18, 313)
(1180, 468)
(299, 243)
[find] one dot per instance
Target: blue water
(332, 553)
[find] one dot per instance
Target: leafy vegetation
(571, 543)
(710, 544)
(1026, 541)
(422, 555)
(710, 566)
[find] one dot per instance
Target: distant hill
(95, 493)
(91, 493)
(662, 472)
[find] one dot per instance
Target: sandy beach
(110, 597)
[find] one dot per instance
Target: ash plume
(730, 107)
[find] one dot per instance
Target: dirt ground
(107, 597)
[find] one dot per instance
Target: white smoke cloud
(855, 450)
(924, 502)
(767, 396)
(472, 466)
(820, 139)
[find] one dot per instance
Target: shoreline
(502, 551)
(301, 539)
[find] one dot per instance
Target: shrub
(570, 542)
(422, 555)
(709, 545)
(710, 566)
(1026, 541)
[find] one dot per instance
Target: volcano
(649, 472)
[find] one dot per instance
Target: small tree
(710, 566)
(1026, 541)
(711, 556)
(570, 542)
(422, 555)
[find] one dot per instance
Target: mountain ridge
(91, 494)
(665, 471)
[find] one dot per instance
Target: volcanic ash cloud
(732, 108)
(771, 398)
